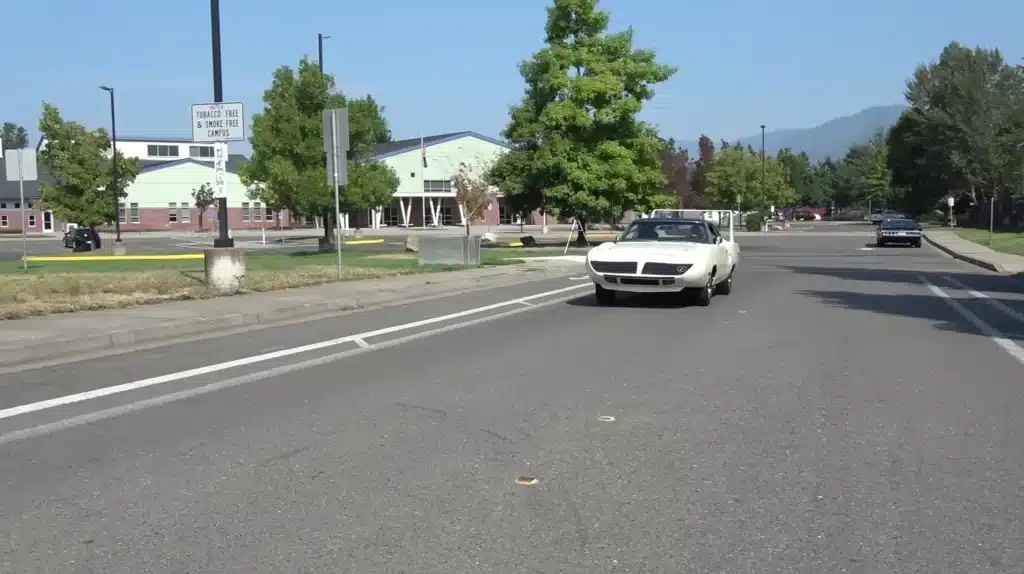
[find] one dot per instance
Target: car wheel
(706, 293)
(880, 243)
(917, 244)
(725, 287)
(604, 296)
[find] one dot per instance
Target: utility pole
(320, 50)
(114, 176)
(763, 190)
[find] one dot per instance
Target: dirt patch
(392, 257)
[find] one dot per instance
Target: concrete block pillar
(225, 269)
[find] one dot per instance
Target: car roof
(669, 220)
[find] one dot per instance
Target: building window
(17, 205)
(446, 215)
(3, 205)
(32, 220)
(162, 150)
(173, 213)
(186, 213)
(270, 214)
(200, 151)
(135, 212)
(3, 221)
(29, 205)
(257, 211)
(246, 217)
(121, 215)
(437, 186)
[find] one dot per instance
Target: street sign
(336, 144)
(21, 165)
(950, 201)
(218, 122)
(220, 169)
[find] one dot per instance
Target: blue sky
(450, 65)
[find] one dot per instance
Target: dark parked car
(893, 230)
(81, 239)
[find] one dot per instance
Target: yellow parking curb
(515, 244)
(57, 258)
(364, 242)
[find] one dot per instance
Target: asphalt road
(846, 409)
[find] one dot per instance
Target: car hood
(650, 251)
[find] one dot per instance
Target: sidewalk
(39, 338)
(974, 253)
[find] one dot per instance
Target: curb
(37, 352)
(966, 258)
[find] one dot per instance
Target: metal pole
(320, 51)
(337, 193)
(218, 84)
(763, 190)
(21, 194)
(114, 170)
(991, 219)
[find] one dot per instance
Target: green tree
(868, 173)
(826, 180)
(801, 178)
(13, 136)
(964, 130)
(577, 119)
(472, 191)
(288, 167)
(82, 190)
(203, 199)
(737, 172)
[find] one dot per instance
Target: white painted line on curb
(1013, 349)
(361, 343)
(578, 278)
(983, 296)
(109, 413)
(140, 384)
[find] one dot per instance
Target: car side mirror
(718, 239)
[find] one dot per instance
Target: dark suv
(81, 239)
(899, 230)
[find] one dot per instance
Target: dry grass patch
(25, 295)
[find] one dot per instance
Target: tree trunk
(329, 222)
(201, 219)
(581, 233)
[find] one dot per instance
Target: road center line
(1012, 348)
(983, 296)
(171, 377)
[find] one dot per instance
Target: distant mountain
(830, 139)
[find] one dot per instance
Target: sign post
(219, 123)
(21, 165)
(336, 146)
(951, 202)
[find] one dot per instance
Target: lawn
(1004, 241)
(67, 286)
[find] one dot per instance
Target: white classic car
(663, 255)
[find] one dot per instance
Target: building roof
(234, 161)
(397, 147)
(9, 189)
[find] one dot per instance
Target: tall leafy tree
(964, 130)
(288, 165)
(705, 160)
(584, 89)
(676, 164)
(737, 172)
(83, 190)
(826, 181)
(800, 177)
(14, 136)
(869, 174)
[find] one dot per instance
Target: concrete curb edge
(966, 258)
(37, 352)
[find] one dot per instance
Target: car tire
(880, 243)
(706, 293)
(604, 296)
(725, 287)
(917, 244)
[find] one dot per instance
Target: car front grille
(665, 269)
(614, 266)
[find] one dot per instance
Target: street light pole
(113, 167)
(763, 190)
(218, 79)
(320, 50)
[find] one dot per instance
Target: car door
(720, 247)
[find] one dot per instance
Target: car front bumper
(694, 278)
(910, 237)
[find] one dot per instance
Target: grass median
(1011, 242)
(67, 286)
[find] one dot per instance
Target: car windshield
(689, 231)
(899, 224)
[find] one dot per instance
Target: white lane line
(140, 384)
(101, 415)
(579, 278)
(984, 297)
(1012, 348)
(361, 343)
(526, 303)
